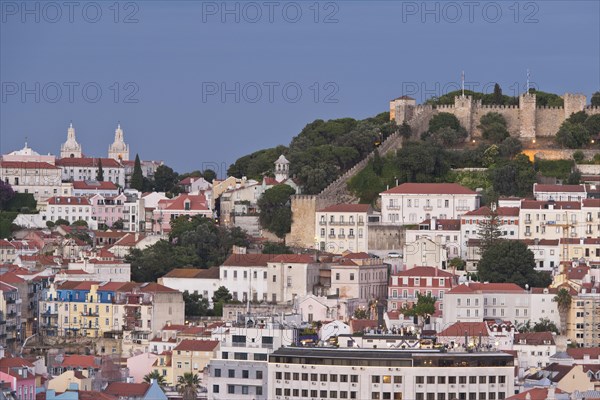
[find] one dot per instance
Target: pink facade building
(107, 209)
(171, 209)
(405, 286)
(19, 373)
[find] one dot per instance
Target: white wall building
(342, 227)
(204, 282)
(86, 169)
(68, 208)
(41, 179)
(559, 192)
(411, 203)
(331, 373)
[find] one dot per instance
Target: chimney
(131, 380)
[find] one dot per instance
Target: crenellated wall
(527, 120)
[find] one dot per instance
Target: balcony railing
(341, 236)
(428, 208)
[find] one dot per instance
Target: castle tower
(527, 107)
(574, 103)
(463, 110)
(402, 109)
(119, 150)
(70, 148)
(282, 169)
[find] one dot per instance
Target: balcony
(463, 208)
(393, 207)
(90, 313)
(428, 208)
(361, 223)
(322, 222)
(341, 236)
(331, 236)
(527, 233)
(528, 221)
(351, 236)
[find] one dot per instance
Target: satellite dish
(59, 358)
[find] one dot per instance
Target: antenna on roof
(462, 78)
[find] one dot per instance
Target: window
(217, 372)
(431, 379)
(420, 379)
(375, 379)
(215, 388)
(352, 276)
(245, 374)
(231, 373)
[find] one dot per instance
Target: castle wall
(510, 114)
(548, 120)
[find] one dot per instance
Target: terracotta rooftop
(249, 260)
(477, 287)
(11, 278)
(294, 258)
(358, 208)
(94, 185)
(501, 211)
(69, 201)
(558, 188)
(14, 362)
(594, 203)
(122, 389)
(27, 165)
(471, 328)
(443, 224)
(196, 345)
(533, 394)
(425, 272)
(580, 352)
(545, 204)
(210, 273)
(356, 256)
(534, 338)
(430, 188)
(196, 203)
(87, 162)
(80, 361)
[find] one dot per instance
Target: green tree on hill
(137, 178)
(100, 173)
(493, 127)
(275, 210)
(511, 261)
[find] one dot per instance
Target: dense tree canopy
(196, 242)
(493, 127)
(165, 179)
(511, 261)
(275, 210)
(445, 130)
(137, 178)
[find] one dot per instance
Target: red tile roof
(152, 287)
(197, 345)
(122, 389)
(27, 165)
(87, 162)
(294, 258)
(359, 325)
(477, 287)
(5, 243)
(558, 188)
(534, 338)
(591, 203)
(249, 260)
(94, 185)
(80, 361)
(459, 329)
(444, 224)
(430, 188)
(580, 352)
(558, 205)
(426, 272)
(501, 211)
(358, 208)
(69, 201)
(14, 362)
(210, 273)
(11, 278)
(533, 394)
(356, 256)
(197, 203)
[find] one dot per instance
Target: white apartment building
(559, 192)
(534, 350)
(274, 278)
(86, 169)
(550, 219)
(240, 370)
(41, 179)
(474, 301)
(342, 227)
(543, 305)
(332, 373)
(69, 208)
(91, 188)
(411, 203)
(203, 282)
(508, 218)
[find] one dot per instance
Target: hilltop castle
(526, 121)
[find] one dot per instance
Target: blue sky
(199, 84)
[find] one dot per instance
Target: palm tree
(563, 301)
(157, 376)
(187, 386)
